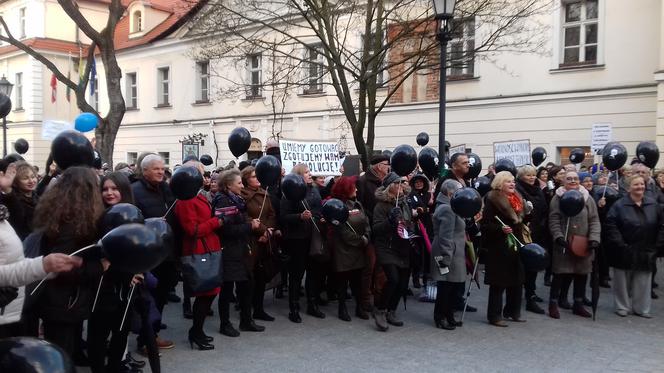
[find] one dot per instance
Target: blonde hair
(526, 170)
(500, 178)
(300, 169)
(630, 179)
(23, 169)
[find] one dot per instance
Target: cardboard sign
(321, 157)
(601, 135)
(52, 128)
(458, 149)
(518, 151)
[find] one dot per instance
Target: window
(314, 72)
(18, 87)
(137, 24)
(203, 81)
(21, 22)
(132, 91)
(579, 32)
(254, 66)
(381, 63)
(461, 48)
(163, 74)
(166, 156)
(95, 97)
(131, 158)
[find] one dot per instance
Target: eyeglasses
(400, 182)
(384, 164)
(572, 178)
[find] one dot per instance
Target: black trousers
(258, 293)
(167, 274)
(395, 287)
(101, 324)
(15, 329)
(147, 335)
(561, 282)
(530, 284)
(446, 298)
(496, 311)
(243, 295)
(346, 278)
(65, 335)
(298, 250)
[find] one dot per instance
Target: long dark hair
(73, 205)
(121, 181)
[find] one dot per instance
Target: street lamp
(5, 108)
(444, 12)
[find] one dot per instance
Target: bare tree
(101, 43)
(363, 49)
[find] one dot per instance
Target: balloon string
(263, 205)
(94, 304)
(169, 209)
(312, 218)
(396, 203)
(124, 316)
(511, 234)
(351, 228)
(72, 254)
(566, 232)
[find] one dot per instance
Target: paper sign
(518, 151)
(601, 135)
(457, 149)
(52, 128)
(322, 158)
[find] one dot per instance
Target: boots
(392, 319)
(294, 314)
(532, 306)
(186, 309)
(313, 310)
(199, 340)
(579, 310)
(250, 326)
(381, 321)
(554, 313)
(359, 312)
(343, 311)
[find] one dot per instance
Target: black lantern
(5, 108)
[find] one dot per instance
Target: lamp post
(444, 12)
(5, 108)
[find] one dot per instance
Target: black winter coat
(366, 191)
(289, 215)
(538, 219)
(154, 203)
(21, 212)
(390, 247)
(633, 234)
(234, 235)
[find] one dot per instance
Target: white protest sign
(601, 135)
(518, 151)
(52, 128)
(322, 157)
(457, 149)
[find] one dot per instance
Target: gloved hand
(593, 245)
(7, 295)
(394, 216)
(562, 242)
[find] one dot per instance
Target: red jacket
(199, 226)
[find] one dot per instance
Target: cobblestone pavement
(542, 344)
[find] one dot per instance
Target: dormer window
(137, 22)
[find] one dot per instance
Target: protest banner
(322, 157)
(52, 128)
(518, 151)
(600, 136)
(458, 149)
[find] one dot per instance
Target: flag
(68, 77)
(54, 86)
(93, 77)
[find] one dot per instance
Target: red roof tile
(45, 44)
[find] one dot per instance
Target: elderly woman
(528, 186)
(567, 266)
(503, 268)
(448, 257)
(633, 236)
(392, 222)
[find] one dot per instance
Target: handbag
(318, 249)
(579, 246)
(202, 272)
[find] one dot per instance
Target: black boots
(200, 340)
(294, 314)
(532, 306)
(313, 310)
(343, 311)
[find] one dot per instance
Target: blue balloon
(86, 122)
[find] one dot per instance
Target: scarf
(516, 202)
(238, 201)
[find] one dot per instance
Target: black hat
(376, 159)
(390, 178)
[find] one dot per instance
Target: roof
(45, 44)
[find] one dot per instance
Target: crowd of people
(401, 234)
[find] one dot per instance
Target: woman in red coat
(199, 237)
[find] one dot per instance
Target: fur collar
(503, 207)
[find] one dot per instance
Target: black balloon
(483, 185)
(538, 155)
(239, 141)
(165, 233)
(72, 148)
(190, 158)
(186, 182)
(254, 162)
(422, 139)
(648, 153)
(293, 187)
(466, 202)
(387, 153)
(506, 165)
(577, 155)
(534, 257)
(475, 165)
(119, 214)
(13, 157)
(206, 159)
(21, 146)
(428, 161)
(614, 156)
(335, 212)
(133, 248)
(5, 105)
(268, 170)
(609, 193)
(28, 355)
(572, 203)
(403, 160)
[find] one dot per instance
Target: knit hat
(376, 159)
(390, 178)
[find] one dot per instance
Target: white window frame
(166, 156)
(21, 22)
(202, 82)
(314, 85)
(18, 88)
(558, 38)
(164, 86)
(131, 90)
(467, 42)
(137, 22)
(254, 88)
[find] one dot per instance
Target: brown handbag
(579, 246)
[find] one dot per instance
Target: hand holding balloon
(255, 224)
(507, 229)
(57, 263)
(305, 215)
